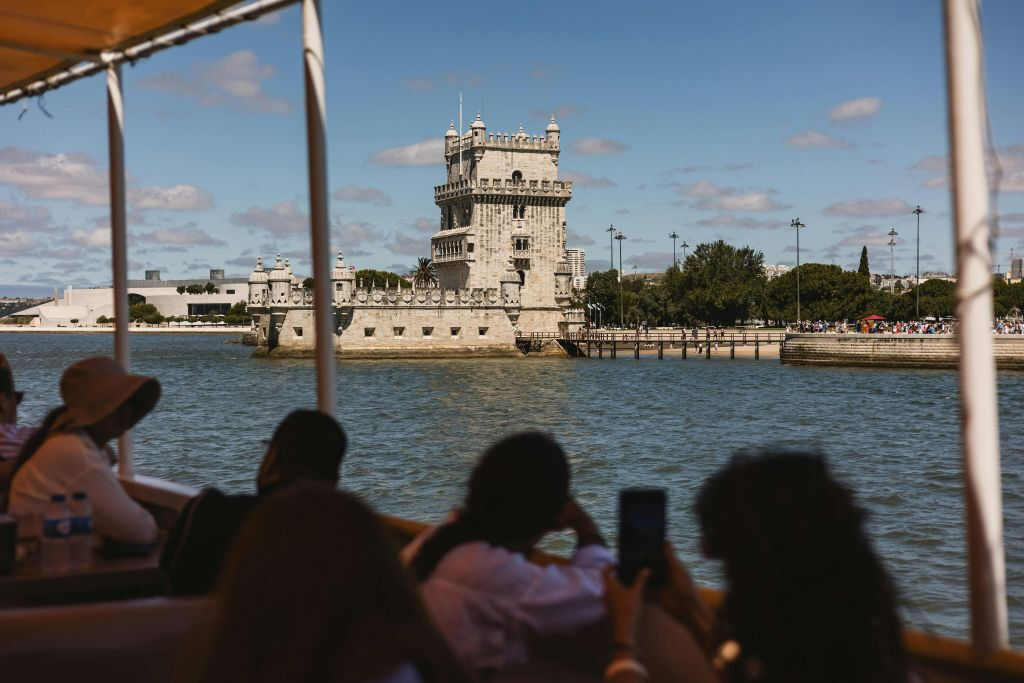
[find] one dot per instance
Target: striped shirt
(12, 438)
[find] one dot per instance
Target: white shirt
(487, 601)
(66, 463)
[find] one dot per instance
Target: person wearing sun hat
(68, 453)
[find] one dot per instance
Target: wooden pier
(601, 344)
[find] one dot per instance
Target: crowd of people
(312, 586)
(872, 326)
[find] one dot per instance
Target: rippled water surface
(415, 427)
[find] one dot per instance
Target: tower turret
(280, 283)
(450, 138)
(259, 289)
(511, 283)
(553, 132)
(342, 282)
(563, 283)
(478, 129)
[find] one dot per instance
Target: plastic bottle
(81, 530)
(55, 544)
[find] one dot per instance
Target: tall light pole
(611, 246)
(796, 224)
(674, 236)
(892, 257)
(619, 236)
(917, 286)
(685, 247)
(634, 272)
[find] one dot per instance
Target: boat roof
(41, 39)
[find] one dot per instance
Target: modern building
(87, 304)
(773, 271)
(577, 261)
(500, 256)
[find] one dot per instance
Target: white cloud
(575, 239)
(808, 139)
(649, 259)
(1011, 163)
(188, 234)
(14, 216)
(366, 195)
(69, 176)
(889, 206)
(283, 218)
(744, 222)
(710, 196)
(16, 243)
(237, 79)
(406, 245)
(587, 180)
(91, 239)
(356, 232)
(424, 224)
(598, 146)
(173, 198)
(860, 109)
(424, 153)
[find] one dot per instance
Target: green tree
(720, 283)
(103, 320)
(382, 278)
(210, 288)
(180, 289)
(603, 288)
(308, 283)
(1007, 299)
(425, 272)
(863, 268)
(827, 292)
(135, 299)
(238, 314)
(195, 289)
(937, 299)
(145, 313)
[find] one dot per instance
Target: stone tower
(503, 200)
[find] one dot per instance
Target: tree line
(720, 284)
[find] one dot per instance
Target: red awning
(873, 317)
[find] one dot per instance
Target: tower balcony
(453, 258)
(521, 254)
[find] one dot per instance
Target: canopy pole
(316, 138)
(118, 241)
(978, 404)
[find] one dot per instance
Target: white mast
(460, 136)
(978, 409)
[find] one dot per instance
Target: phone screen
(642, 534)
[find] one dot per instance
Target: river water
(415, 428)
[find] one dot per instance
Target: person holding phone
(482, 591)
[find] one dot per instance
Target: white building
(577, 260)
(773, 271)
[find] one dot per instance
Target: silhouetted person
(483, 593)
(313, 591)
(307, 447)
(806, 598)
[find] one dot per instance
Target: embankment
(893, 350)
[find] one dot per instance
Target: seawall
(893, 350)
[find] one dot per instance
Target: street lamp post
(892, 258)
(685, 247)
(620, 237)
(796, 224)
(917, 287)
(634, 272)
(611, 246)
(674, 236)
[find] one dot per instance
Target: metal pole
(917, 290)
(674, 235)
(795, 223)
(611, 246)
(892, 259)
(978, 410)
(119, 243)
(316, 153)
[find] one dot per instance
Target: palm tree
(425, 272)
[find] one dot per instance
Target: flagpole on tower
(460, 136)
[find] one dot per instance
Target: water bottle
(56, 549)
(81, 530)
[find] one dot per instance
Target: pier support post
(707, 349)
(757, 349)
(661, 350)
(684, 349)
(600, 350)
(588, 348)
(732, 349)
(636, 349)
(613, 348)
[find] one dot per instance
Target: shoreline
(110, 330)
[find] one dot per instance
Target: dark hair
(517, 491)
(807, 598)
(307, 445)
(313, 591)
(32, 444)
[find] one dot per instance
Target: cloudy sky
(716, 120)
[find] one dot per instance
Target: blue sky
(716, 120)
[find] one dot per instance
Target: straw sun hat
(94, 388)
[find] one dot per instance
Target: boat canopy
(41, 39)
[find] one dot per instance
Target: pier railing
(742, 338)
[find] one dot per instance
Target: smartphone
(642, 535)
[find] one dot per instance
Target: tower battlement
(504, 186)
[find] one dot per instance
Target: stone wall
(893, 350)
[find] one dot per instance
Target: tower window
(522, 277)
(517, 176)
